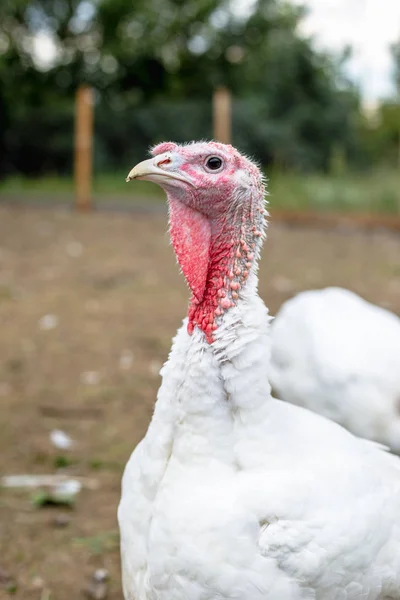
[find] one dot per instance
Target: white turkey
(233, 494)
(335, 353)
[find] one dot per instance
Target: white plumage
(336, 354)
(233, 494)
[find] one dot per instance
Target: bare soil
(88, 306)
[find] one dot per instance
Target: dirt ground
(88, 306)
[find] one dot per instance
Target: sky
(369, 26)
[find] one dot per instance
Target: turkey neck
(222, 375)
(236, 239)
(215, 387)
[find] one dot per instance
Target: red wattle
(191, 237)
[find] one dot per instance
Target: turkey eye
(214, 163)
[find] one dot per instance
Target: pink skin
(216, 225)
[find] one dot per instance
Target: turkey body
(233, 495)
(338, 355)
(238, 495)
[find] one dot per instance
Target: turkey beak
(156, 170)
(143, 170)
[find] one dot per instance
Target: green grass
(373, 191)
(99, 544)
(51, 187)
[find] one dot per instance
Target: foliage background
(154, 65)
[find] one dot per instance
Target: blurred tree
(379, 132)
(396, 60)
(295, 108)
(147, 58)
(36, 125)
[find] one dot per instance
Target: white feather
(235, 495)
(338, 355)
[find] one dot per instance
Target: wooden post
(222, 115)
(83, 148)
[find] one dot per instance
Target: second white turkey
(339, 355)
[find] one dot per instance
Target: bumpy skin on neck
(235, 242)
